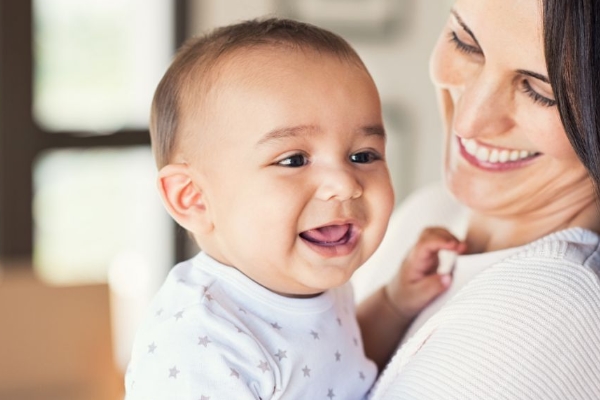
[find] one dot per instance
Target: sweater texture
(527, 327)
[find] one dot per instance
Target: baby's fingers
(434, 239)
(419, 295)
(424, 258)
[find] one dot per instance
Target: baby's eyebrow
(376, 130)
(307, 130)
(282, 133)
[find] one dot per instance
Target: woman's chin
(477, 196)
(479, 190)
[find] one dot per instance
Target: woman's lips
(492, 158)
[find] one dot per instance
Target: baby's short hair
(196, 58)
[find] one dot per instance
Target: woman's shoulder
(562, 266)
(527, 327)
(554, 273)
(575, 245)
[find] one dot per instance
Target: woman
(519, 89)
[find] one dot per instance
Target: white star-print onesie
(214, 334)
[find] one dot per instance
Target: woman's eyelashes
(462, 46)
(535, 96)
(298, 160)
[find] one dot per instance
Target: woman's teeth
(485, 154)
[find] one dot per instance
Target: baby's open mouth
(329, 236)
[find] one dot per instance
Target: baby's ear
(183, 198)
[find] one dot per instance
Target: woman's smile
(493, 158)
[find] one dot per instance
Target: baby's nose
(338, 184)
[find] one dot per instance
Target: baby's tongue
(332, 233)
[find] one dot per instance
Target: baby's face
(293, 163)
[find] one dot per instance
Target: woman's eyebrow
(534, 75)
(464, 26)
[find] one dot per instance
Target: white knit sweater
(525, 328)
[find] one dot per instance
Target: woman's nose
(338, 183)
(483, 106)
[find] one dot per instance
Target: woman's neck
(490, 233)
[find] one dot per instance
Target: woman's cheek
(545, 131)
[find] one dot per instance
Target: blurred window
(97, 62)
(77, 178)
(92, 208)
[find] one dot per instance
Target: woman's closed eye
(462, 46)
(535, 96)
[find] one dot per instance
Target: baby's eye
(364, 157)
(294, 161)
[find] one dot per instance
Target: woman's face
(506, 150)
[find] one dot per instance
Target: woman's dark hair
(572, 50)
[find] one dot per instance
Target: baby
(269, 139)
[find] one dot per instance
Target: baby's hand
(417, 282)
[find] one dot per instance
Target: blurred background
(84, 240)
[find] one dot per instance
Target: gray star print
(306, 371)
(314, 334)
(151, 348)
(337, 356)
(330, 393)
(173, 372)
(179, 315)
(158, 312)
(281, 354)
(276, 326)
(208, 297)
(203, 341)
(263, 366)
(361, 375)
(339, 321)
